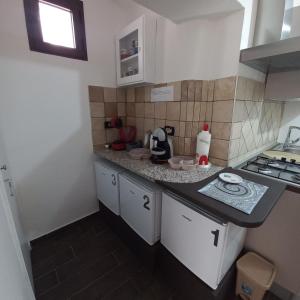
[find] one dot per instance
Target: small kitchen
(171, 148)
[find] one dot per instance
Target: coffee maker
(161, 145)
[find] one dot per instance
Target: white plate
(231, 178)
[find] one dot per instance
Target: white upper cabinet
(135, 52)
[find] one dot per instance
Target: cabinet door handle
(190, 220)
(147, 202)
(216, 238)
(114, 181)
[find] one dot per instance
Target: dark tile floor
(87, 261)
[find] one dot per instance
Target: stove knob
(283, 159)
(293, 161)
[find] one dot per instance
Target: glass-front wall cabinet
(131, 51)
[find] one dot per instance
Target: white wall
(44, 115)
(201, 49)
(44, 109)
(291, 117)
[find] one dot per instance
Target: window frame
(34, 30)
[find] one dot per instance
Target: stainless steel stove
(283, 170)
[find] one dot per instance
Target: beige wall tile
(110, 110)
(183, 107)
(187, 146)
(198, 90)
(130, 109)
(140, 109)
(236, 130)
(193, 146)
(209, 110)
(149, 110)
(149, 125)
(222, 111)
(98, 123)
(181, 146)
(188, 129)
(241, 88)
(130, 94)
(159, 123)
(97, 109)
(184, 90)
(121, 109)
(96, 93)
(160, 110)
(203, 108)
(121, 94)
(140, 128)
(204, 90)
(195, 128)
(182, 129)
(219, 149)
(98, 137)
(225, 88)
(175, 141)
(110, 94)
(177, 90)
(196, 116)
(218, 162)
(140, 94)
(112, 135)
(211, 90)
(130, 121)
(174, 124)
(221, 130)
(148, 93)
(190, 111)
(191, 90)
(173, 111)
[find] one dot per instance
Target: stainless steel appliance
(280, 169)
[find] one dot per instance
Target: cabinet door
(130, 53)
(137, 207)
(108, 187)
(193, 239)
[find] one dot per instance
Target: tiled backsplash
(234, 109)
(255, 123)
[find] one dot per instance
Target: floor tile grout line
(93, 281)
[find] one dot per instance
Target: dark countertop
(225, 213)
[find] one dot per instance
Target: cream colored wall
(278, 239)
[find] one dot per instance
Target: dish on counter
(230, 178)
(186, 163)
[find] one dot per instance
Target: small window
(56, 27)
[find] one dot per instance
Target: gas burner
(280, 169)
(264, 170)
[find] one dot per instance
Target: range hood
(275, 57)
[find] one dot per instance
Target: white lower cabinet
(140, 205)
(206, 247)
(107, 181)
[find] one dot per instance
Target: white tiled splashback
(255, 126)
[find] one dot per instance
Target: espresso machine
(161, 146)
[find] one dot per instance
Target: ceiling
(183, 10)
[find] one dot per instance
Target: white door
(193, 239)
(14, 279)
(13, 208)
(137, 205)
(108, 187)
